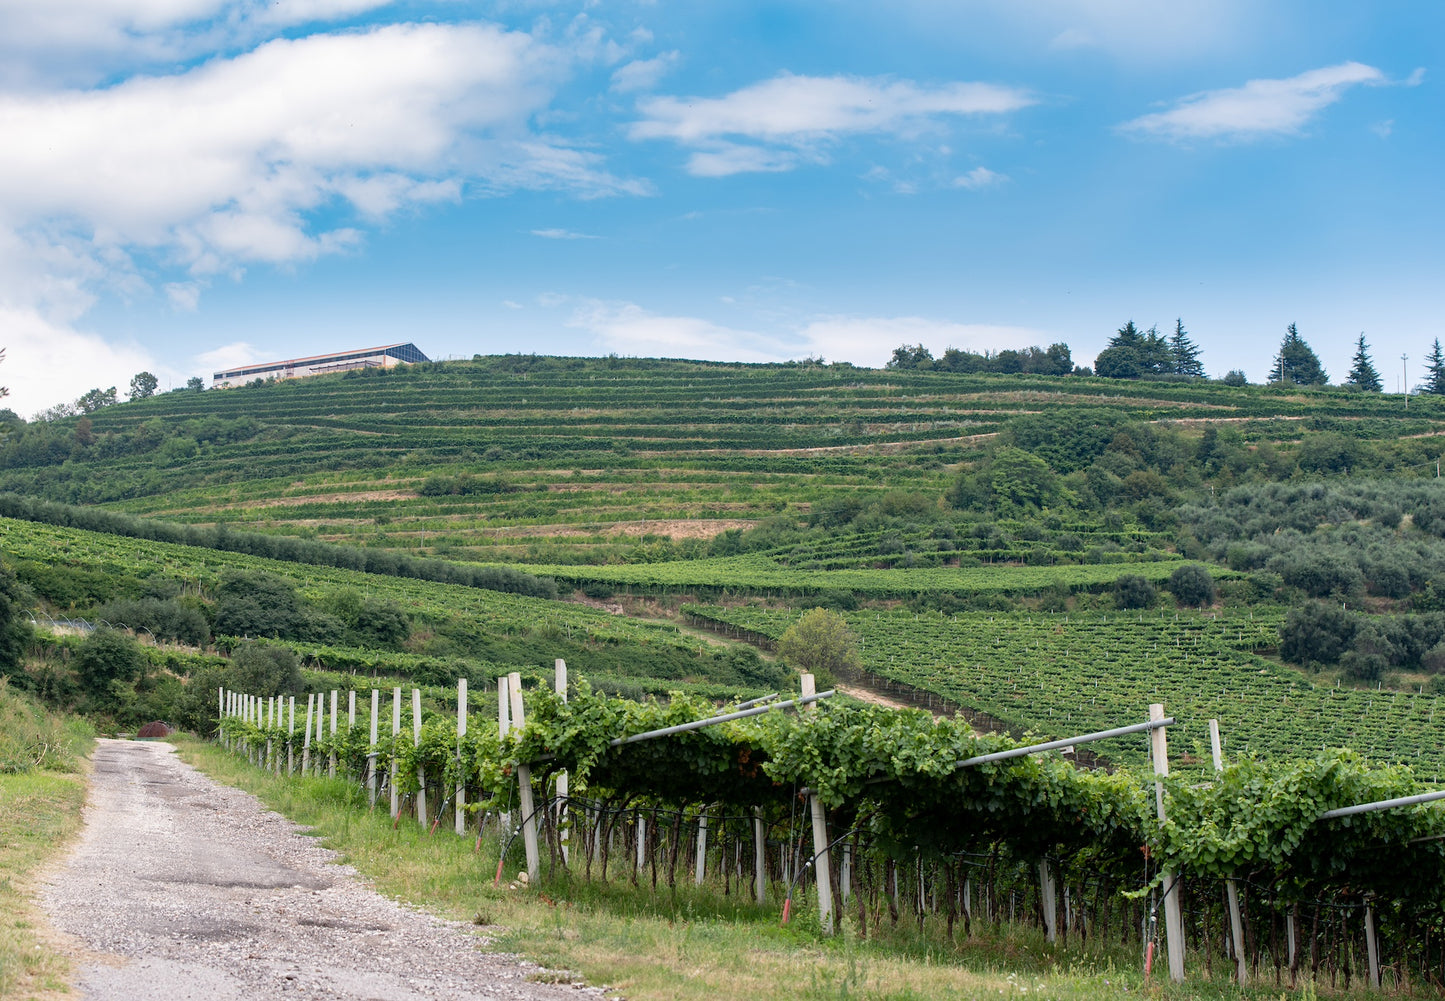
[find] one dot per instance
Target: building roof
(405, 351)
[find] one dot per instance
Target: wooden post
(1173, 914)
(371, 755)
(395, 736)
(760, 858)
(524, 782)
(461, 792)
(1372, 948)
(420, 771)
(560, 686)
(700, 869)
(306, 738)
(822, 871)
(291, 740)
(1231, 888)
(331, 755)
(1049, 900)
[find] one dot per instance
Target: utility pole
(1405, 379)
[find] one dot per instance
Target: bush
(1133, 591)
(1192, 586)
(822, 643)
(1317, 633)
(265, 669)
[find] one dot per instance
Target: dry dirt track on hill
(182, 888)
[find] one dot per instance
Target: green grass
(689, 944)
(39, 813)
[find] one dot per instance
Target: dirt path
(182, 888)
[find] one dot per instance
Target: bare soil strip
(183, 888)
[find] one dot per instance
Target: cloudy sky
(186, 184)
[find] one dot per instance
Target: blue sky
(187, 184)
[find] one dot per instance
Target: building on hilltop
(341, 361)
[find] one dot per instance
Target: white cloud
(562, 234)
(628, 328)
(1259, 108)
(643, 74)
(979, 177)
(510, 304)
(184, 296)
(230, 355)
(793, 114)
(871, 340)
(47, 363)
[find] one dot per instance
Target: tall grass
(34, 738)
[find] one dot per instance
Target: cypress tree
(1363, 375)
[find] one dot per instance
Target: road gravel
(183, 888)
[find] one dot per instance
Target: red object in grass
(153, 730)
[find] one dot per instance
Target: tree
(265, 669)
(1236, 377)
(1297, 362)
(106, 660)
(1184, 352)
(911, 356)
(1192, 586)
(143, 385)
(13, 628)
(95, 399)
(1363, 375)
(1132, 352)
(1133, 591)
(1435, 371)
(1316, 633)
(195, 384)
(820, 642)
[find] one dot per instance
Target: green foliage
(164, 619)
(1296, 363)
(13, 629)
(820, 642)
(265, 669)
(143, 386)
(1132, 353)
(1133, 591)
(1435, 370)
(1192, 585)
(107, 664)
(1363, 375)
(33, 737)
(1318, 632)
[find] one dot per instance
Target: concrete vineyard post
(331, 755)
(270, 723)
(1231, 888)
(306, 738)
(221, 715)
(395, 737)
(845, 876)
(559, 684)
(371, 782)
(320, 726)
(350, 718)
(461, 792)
(760, 857)
(524, 782)
(1372, 947)
(701, 868)
(420, 771)
(291, 739)
(1048, 897)
(504, 727)
(822, 870)
(641, 843)
(1173, 915)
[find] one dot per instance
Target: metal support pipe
(698, 724)
(1384, 804)
(1088, 738)
(753, 702)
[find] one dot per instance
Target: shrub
(1192, 586)
(1318, 632)
(1133, 591)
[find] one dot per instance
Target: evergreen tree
(1297, 362)
(1132, 352)
(1184, 352)
(1435, 371)
(1363, 375)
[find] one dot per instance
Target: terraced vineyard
(554, 460)
(1056, 675)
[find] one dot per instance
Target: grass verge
(39, 812)
(687, 944)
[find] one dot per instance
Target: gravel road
(183, 888)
